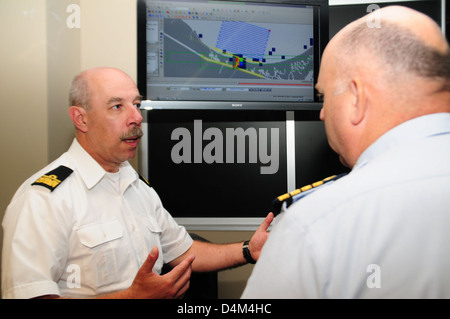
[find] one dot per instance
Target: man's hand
(148, 284)
(214, 257)
(259, 237)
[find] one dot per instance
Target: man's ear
(79, 117)
(359, 102)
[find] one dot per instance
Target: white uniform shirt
(382, 231)
(89, 236)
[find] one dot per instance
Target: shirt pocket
(97, 234)
(102, 248)
(152, 231)
(152, 225)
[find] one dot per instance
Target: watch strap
(246, 253)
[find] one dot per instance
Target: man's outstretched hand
(149, 285)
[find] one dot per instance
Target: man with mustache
(89, 226)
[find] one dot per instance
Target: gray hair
(79, 92)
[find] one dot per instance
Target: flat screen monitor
(221, 169)
(230, 54)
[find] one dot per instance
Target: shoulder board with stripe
(142, 178)
(295, 195)
(54, 178)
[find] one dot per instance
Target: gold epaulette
(142, 178)
(290, 197)
(54, 178)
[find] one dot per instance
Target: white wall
(23, 93)
(39, 56)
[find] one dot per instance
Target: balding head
(374, 79)
(82, 85)
(415, 22)
(407, 45)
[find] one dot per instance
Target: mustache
(134, 132)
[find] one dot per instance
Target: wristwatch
(246, 252)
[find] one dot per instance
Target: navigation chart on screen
(235, 49)
(201, 50)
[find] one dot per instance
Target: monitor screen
(215, 164)
(221, 169)
(247, 54)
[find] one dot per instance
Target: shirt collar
(409, 131)
(92, 172)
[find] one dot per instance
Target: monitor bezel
(322, 35)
